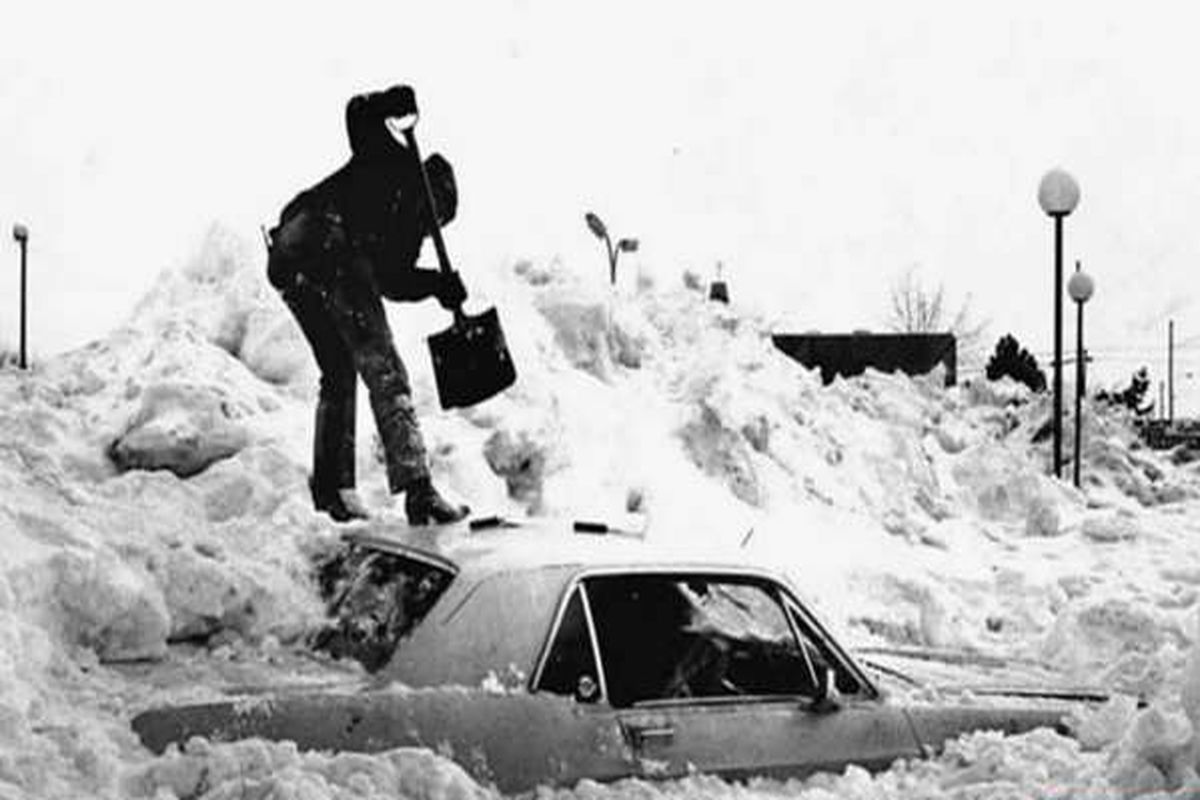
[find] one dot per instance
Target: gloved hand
(451, 292)
(398, 101)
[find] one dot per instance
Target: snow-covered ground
(909, 514)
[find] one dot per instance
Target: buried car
(534, 657)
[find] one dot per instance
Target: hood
(374, 143)
(367, 130)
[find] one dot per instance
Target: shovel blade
(471, 362)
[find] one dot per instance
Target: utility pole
(1171, 371)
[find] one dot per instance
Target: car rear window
(374, 598)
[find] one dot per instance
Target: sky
(817, 150)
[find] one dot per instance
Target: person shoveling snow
(338, 247)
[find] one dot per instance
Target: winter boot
(343, 505)
(353, 504)
(425, 506)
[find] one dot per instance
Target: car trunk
(950, 673)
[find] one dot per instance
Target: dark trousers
(347, 329)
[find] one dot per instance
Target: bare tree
(915, 307)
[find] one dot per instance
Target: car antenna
(746, 539)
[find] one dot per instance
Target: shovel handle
(410, 135)
(431, 203)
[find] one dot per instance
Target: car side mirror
(828, 698)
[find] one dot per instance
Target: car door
(724, 674)
(586, 740)
(781, 738)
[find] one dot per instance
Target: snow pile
(179, 427)
(267, 769)
(153, 496)
(220, 293)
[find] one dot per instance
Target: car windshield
(662, 637)
(374, 599)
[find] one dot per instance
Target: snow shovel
(470, 358)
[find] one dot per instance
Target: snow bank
(984, 765)
(267, 769)
(179, 427)
(152, 492)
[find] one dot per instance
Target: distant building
(848, 354)
(1161, 434)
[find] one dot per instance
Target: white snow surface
(909, 514)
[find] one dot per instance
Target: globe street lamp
(21, 236)
(1058, 194)
(1080, 288)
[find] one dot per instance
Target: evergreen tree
(1131, 396)
(1016, 362)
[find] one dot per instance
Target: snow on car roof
(537, 543)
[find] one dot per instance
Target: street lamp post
(21, 235)
(1058, 194)
(1080, 288)
(623, 245)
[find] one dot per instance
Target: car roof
(479, 548)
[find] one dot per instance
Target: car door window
(570, 665)
(662, 637)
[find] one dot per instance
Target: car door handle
(641, 734)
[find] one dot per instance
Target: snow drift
(157, 540)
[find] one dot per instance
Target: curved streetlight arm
(600, 231)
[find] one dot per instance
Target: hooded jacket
(379, 201)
